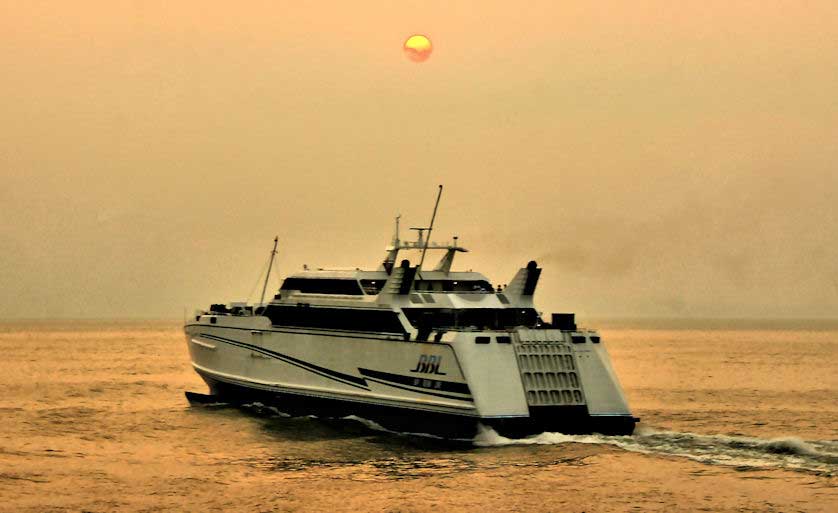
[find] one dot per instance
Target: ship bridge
(358, 282)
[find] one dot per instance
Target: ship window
(577, 339)
(416, 298)
(429, 298)
(434, 286)
(476, 286)
(503, 299)
(595, 340)
(218, 308)
(454, 286)
(372, 287)
(349, 319)
(504, 340)
(467, 286)
(323, 286)
(482, 340)
(213, 320)
(476, 318)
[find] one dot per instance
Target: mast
(430, 229)
(393, 250)
(270, 265)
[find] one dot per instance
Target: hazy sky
(657, 158)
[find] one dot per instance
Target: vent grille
(548, 369)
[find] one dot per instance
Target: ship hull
(521, 382)
(568, 419)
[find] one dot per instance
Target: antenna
(270, 264)
(420, 242)
(430, 229)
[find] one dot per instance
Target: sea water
(734, 417)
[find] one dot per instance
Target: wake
(738, 451)
(741, 452)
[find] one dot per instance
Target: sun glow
(418, 48)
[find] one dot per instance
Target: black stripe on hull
(346, 379)
(409, 389)
(444, 386)
(404, 420)
(415, 384)
(563, 419)
(384, 378)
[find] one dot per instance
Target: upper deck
(358, 282)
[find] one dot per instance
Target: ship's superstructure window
(344, 286)
(454, 285)
(372, 287)
(472, 318)
(303, 315)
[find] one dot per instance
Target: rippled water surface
(734, 418)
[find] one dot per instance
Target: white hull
(540, 380)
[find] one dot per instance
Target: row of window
(323, 286)
(477, 318)
(352, 287)
(387, 321)
(305, 316)
(502, 339)
(454, 286)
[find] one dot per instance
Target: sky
(658, 159)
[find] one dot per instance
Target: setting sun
(418, 48)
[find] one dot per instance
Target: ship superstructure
(435, 351)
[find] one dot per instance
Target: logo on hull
(429, 364)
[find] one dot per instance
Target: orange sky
(659, 159)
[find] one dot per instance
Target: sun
(418, 48)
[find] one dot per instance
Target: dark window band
(350, 319)
(480, 318)
(349, 287)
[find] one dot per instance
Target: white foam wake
(740, 451)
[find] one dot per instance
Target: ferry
(415, 350)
